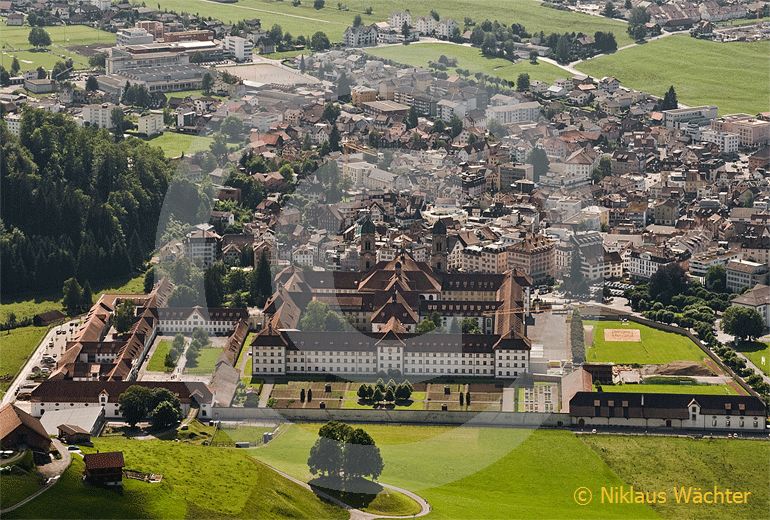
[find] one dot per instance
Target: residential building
(679, 117)
(745, 273)
(99, 116)
(535, 256)
(757, 298)
(239, 48)
(151, 123)
(752, 132)
(515, 113)
(133, 36)
(201, 246)
(643, 262)
(361, 36)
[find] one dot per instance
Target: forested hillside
(75, 203)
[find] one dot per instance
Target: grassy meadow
(305, 19)
(758, 353)
(64, 43)
(656, 347)
(157, 361)
(733, 76)
(15, 348)
(419, 54)
(672, 389)
(175, 144)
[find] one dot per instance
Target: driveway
(51, 471)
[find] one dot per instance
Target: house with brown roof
(19, 430)
(104, 468)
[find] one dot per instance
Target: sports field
(175, 144)
(733, 76)
(419, 54)
(306, 20)
(471, 472)
(64, 39)
(656, 347)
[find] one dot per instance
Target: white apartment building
(13, 122)
(700, 263)
(397, 19)
(750, 130)
(99, 116)
(201, 247)
(491, 258)
(679, 117)
(727, 142)
(151, 123)
(642, 263)
(239, 48)
(515, 113)
(133, 36)
(745, 273)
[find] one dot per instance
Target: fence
(532, 420)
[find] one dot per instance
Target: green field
(306, 20)
(15, 488)
(758, 353)
(241, 433)
(472, 472)
(657, 347)
(418, 55)
(206, 360)
(15, 347)
(733, 76)
(672, 389)
(175, 144)
(13, 41)
(26, 306)
(157, 361)
(198, 482)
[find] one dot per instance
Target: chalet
(104, 468)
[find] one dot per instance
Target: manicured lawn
(306, 20)
(15, 348)
(29, 305)
(370, 497)
(758, 353)
(417, 402)
(672, 389)
(206, 360)
(198, 482)
(157, 361)
(657, 347)
(660, 463)
(419, 54)
(471, 472)
(175, 144)
(14, 488)
(13, 41)
(241, 433)
(733, 76)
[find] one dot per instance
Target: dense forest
(75, 203)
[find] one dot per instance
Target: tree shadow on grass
(357, 492)
(750, 346)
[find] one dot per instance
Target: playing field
(306, 20)
(64, 39)
(656, 347)
(419, 54)
(733, 76)
(175, 144)
(758, 353)
(510, 473)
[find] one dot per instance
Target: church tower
(438, 254)
(367, 253)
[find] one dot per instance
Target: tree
(533, 57)
(207, 83)
(363, 392)
(412, 118)
(261, 286)
(361, 456)
(91, 84)
(149, 280)
(425, 326)
(575, 282)
(357, 21)
(41, 73)
(165, 415)
(377, 395)
(318, 4)
(434, 14)
(302, 395)
(302, 64)
(61, 71)
(637, 18)
(403, 392)
(390, 396)
(468, 398)
(133, 404)
(406, 31)
(539, 161)
(87, 299)
(123, 316)
(344, 453)
(232, 127)
(5, 78)
(214, 284)
(218, 147)
(716, 278)
(668, 281)
(309, 394)
(522, 82)
(319, 41)
(73, 296)
(15, 66)
(669, 101)
(119, 123)
(609, 10)
(455, 126)
(39, 37)
(604, 169)
(563, 49)
(742, 322)
(470, 326)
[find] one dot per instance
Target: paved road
(357, 514)
(51, 471)
(509, 394)
(43, 349)
(264, 396)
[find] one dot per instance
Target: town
(279, 259)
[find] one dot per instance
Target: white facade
(727, 142)
(99, 116)
(13, 122)
(240, 48)
(133, 36)
(515, 113)
(151, 123)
